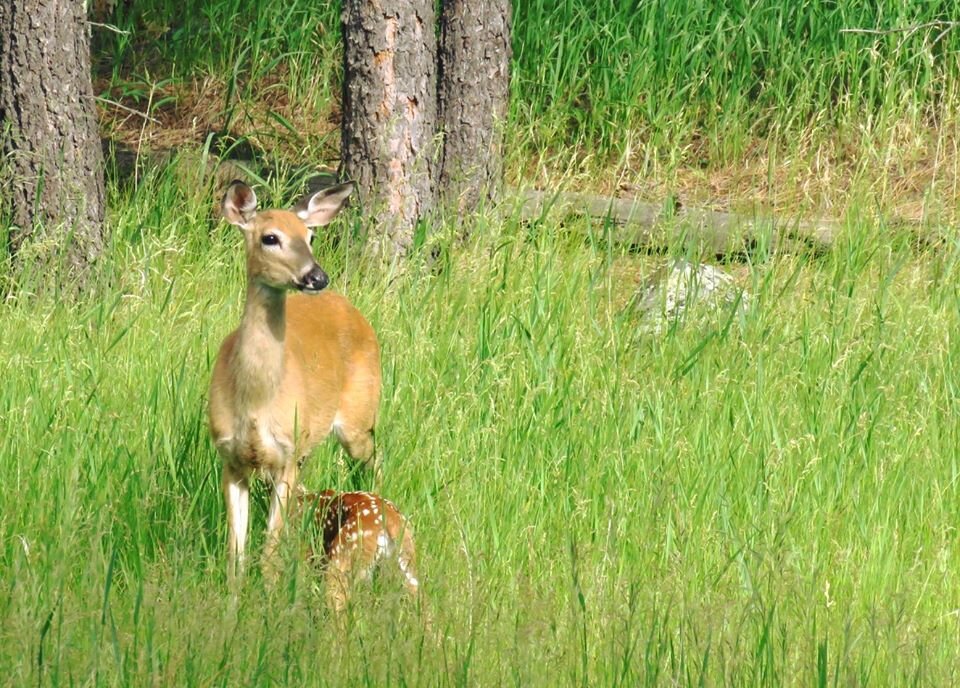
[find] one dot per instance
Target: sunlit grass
(725, 73)
(760, 498)
(764, 498)
(789, 105)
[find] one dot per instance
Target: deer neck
(258, 363)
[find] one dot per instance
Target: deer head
(278, 241)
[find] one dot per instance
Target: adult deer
(297, 368)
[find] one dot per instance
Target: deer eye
(270, 240)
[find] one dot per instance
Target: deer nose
(315, 280)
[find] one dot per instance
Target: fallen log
(639, 224)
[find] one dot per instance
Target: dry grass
(913, 175)
(184, 113)
(911, 172)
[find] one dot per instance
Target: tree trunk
(52, 178)
(390, 114)
(474, 94)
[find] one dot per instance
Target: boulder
(681, 291)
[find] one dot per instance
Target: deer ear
(239, 205)
(324, 205)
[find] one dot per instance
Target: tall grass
(642, 86)
(764, 498)
(716, 76)
(768, 497)
(227, 37)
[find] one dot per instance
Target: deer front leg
(236, 494)
(284, 483)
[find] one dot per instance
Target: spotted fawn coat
(355, 532)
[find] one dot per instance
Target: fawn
(356, 531)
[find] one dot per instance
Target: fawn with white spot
(355, 532)
(296, 369)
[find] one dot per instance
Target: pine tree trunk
(474, 94)
(52, 179)
(390, 114)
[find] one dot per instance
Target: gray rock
(681, 291)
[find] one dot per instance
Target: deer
(352, 534)
(299, 366)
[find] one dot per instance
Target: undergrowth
(766, 498)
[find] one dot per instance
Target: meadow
(762, 497)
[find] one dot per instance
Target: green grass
(240, 40)
(635, 89)
(768, 498)
(717, 76)
(762, 499)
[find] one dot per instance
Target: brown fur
(295, 369)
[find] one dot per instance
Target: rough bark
(52, 179)
(474, 93)
(390, 114)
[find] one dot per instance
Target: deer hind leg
(407, 561)
(337, 582)
(284, 484)
(344, 559)
(236, 493)
(359, 443)
(357, 417)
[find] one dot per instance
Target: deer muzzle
(313, 281)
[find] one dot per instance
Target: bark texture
(390, 114)
(52, 176)
(474, 94)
